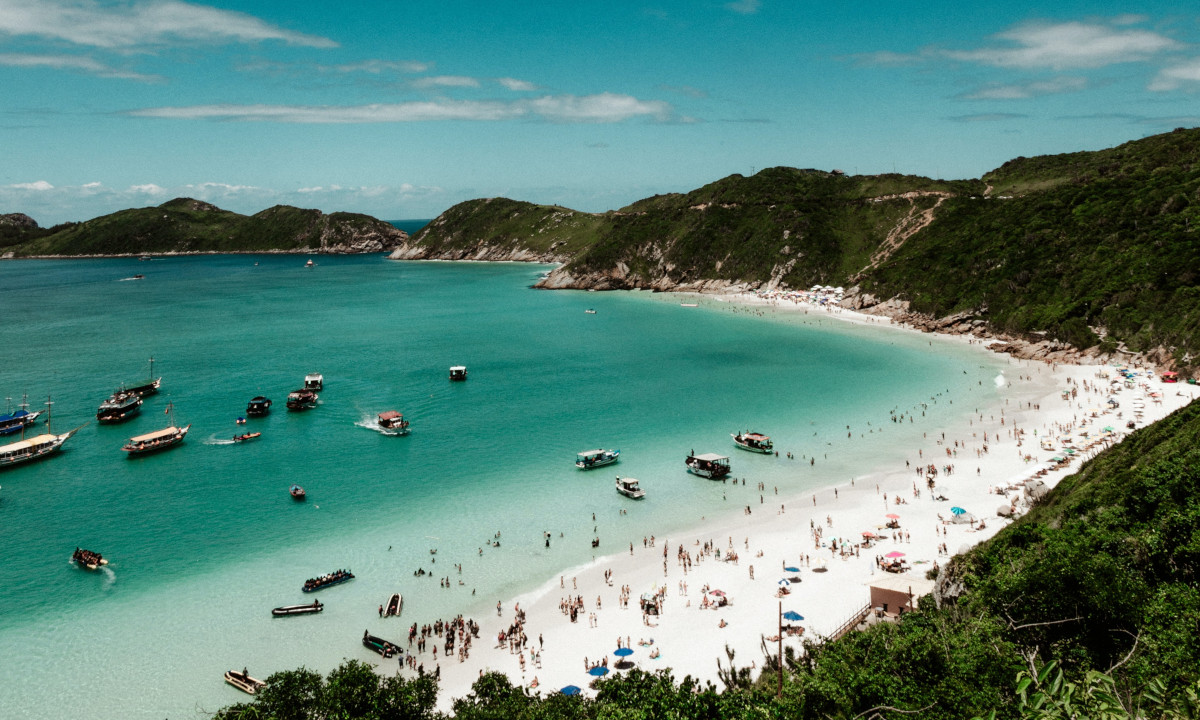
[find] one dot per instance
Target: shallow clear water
(204, 540)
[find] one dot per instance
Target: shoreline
(691, 640)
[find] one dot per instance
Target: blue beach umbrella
(570, 690)
(623, 652)
(791, 569)
(598, 671)
(957, 510)
(792, 615)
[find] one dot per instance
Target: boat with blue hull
(14, 422)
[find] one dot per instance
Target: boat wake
(110, 577)
(214, 440)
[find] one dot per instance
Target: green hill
(184, 225)
(1095, 249)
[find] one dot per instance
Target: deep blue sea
(204, 540)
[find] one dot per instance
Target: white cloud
(131, 24)
(1054, 86)
(39, 186)
(71, 62)
(745, 7)
(517, 85)
(1186, 74)
(379, 67)
(1068, 45)
(445, 81)
(601, 108)
(147, 189)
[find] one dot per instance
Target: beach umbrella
(718, 593)
(866, 534)
(957, 510)
(784, 582)
(791, 569)
(895, 554)
(570, 690)
(623, 652)
(793, 616)
(598, 671)
(892, 516)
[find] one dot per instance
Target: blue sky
(401, 109)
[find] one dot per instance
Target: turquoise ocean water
(204, 540)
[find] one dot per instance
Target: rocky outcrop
(482, 251)
(18, 220)
(620, 278)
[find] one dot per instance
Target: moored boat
(285, 610)
(394, 605)
(259, 406)
(119, 407)
(12, 422)
(150, 387)
(458, 373)
(709, 465)
(392, 423)
(296, 492)
(36, 447)
(630, 488)
(333, 578)
(247, 436)
(242, 681)
(169, 436)
(754, 442)
(302, 399)
(87, 559)
(589, 459)
(314, 382)
(379, 645)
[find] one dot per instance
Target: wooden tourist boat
(296, 492)
(392, 423)
(34, 448)
(630, 488)
(394, 605)
(242, 681)
(754, 442)
(709, 465)
(286, 610)
(13, 422)
(302, 399)
(87, 559)
(458, 373)
(320, 583)
(379, 645)
(152, 384)
(258, 407)
(119, 407)
(168, 437)
(589, 459)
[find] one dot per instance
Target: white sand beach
(818, 535)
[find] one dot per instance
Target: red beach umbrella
(895, 554)
(892, 516)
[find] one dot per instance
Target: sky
(400, 109)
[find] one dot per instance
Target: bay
(203, 539)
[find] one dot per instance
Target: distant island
(184, 226)
(1088, 253)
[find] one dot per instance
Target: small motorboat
(296, 492)
(286, 610)
(709, 465)
(303, 399)
(392, 423)
(309, 264)
(242, 681)
(333, 578)
(590, 311)
(394, 605)
(458, 373)
(247, 436)
(314, 382)
(629, 488)
(754, 442)
(589, 459)
(87, 559)
(258, 407)
(379, 645)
